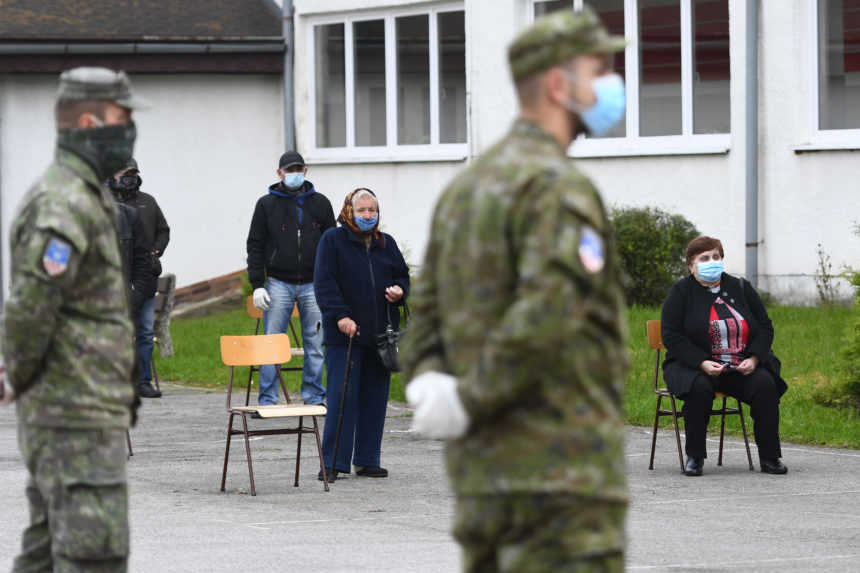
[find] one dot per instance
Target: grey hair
(361, 194)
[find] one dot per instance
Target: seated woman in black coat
(718, 337)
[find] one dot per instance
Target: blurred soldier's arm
(563, 327)
(46, 255)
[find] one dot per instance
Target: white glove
(261, 299)
(8, 391)
(439, 413)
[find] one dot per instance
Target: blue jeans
(364, 410)
(276, 320)
(145, 334)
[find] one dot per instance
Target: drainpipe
(289, 104)
(751, 133)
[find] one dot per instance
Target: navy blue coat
(350, 281)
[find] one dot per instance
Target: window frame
(632, 144)
(821, 139)
(392, 151)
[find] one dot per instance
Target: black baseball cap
(289, 159)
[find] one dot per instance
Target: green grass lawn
(807, 341)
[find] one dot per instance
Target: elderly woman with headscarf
(360, 279)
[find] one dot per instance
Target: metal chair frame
(655, 341)
(256, 347)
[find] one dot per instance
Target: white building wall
(207, 148)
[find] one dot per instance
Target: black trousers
(758, 389)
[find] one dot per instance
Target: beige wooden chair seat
(282, 410)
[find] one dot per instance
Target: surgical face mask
(710, 271)
(366, 224)
(108, 147)
(608, 110)
(294, 180)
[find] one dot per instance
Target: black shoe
(774, 466)
(331, 473)
(694, 466)
(146, 390)
(372, 472)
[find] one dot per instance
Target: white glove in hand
(261, 299)
(439, 413)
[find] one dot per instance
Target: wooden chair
(655, 341)
(265, 349)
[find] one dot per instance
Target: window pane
(711, 66)
(452, 77)
(660, 67)
(839, 64)
(369, 50)
(543, 8)
(330, 88)
(611, 12)
(413, 80)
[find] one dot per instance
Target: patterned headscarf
(347, 217)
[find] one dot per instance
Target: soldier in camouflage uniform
(68, 336)
(517, 346)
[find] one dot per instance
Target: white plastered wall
(207, 148)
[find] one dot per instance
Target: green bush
(651, 244)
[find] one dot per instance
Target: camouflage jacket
(520, 298)
(68, 341)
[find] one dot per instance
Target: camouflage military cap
(98, 84)
(558, 37)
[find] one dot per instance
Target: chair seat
(282, 410)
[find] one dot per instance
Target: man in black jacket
(126, 187)
(282, 245)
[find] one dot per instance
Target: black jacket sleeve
(162, 232)
(142, 280)
(675, 339)
(401, 271)
(328, 221)
(258, 237)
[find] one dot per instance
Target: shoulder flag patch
(56, 257)
(591, 250)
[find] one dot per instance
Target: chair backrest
(253, 311)
(655, 338)
(255, 350)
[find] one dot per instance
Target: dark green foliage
(651, 244)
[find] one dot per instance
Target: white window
(390, 86)
(835, 74)
(677, 74)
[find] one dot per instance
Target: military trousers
(536, 533)
(78, 501)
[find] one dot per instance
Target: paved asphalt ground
(729, 520)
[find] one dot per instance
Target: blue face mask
(608, 110)
(294, 180)
(710, 271)
(366, 224)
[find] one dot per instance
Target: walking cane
(333, 477)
